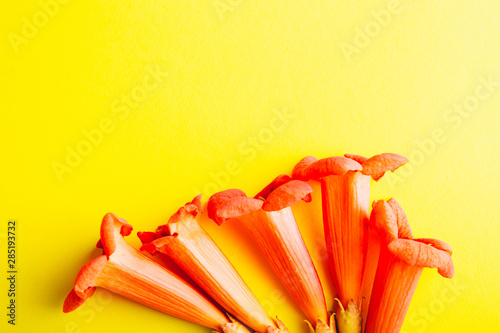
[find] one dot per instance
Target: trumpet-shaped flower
(189, 245)
(400, 265)
(269, 218)
(128, 272)
(345, 191)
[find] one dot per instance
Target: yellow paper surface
(135, 107)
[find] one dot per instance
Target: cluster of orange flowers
(374, 260)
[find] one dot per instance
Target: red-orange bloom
(345, 190)
(400, 265)
(189, 245)
(269, 218)
(127, 272)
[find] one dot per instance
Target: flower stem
(348, 320)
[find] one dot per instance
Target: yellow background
(227, 69)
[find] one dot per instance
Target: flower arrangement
(374, 260)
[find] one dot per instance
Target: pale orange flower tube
(269, 218)
(128, 272)
(189, 245)
(401, 262)
(345, 191)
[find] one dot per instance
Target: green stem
(322, 327)
(348, 320)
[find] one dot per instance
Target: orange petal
(404, 229)
(286, 195)
(377, 165)
(192, 208)
(219, 198)
(109, 225)
(416, 253)
(88, 274)
(108, 233)
(230, 204)
(277, 182)
(358, 158)
(126, 229)
(335, 165)
(73, 301)
(299, 169)
(147, 236)
(195, 205)
(156, 245)
(384, 221)
(438, 244)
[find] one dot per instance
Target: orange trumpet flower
(128, 272)
(189, 245)
(345, 190)
(401, 262)
(269, 218)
